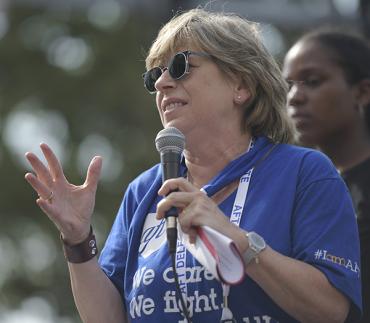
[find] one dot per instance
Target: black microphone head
(171, 139)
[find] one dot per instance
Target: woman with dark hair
(328, 72)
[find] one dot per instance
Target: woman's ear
(241, 93)
(363, 93)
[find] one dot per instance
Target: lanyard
(235, 217)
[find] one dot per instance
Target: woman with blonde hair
(284, 207)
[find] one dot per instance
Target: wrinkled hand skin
(71, 206)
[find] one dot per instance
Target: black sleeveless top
(358, 182)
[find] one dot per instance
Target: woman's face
(320, 100)
(202, 101)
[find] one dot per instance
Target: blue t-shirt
(296, 201)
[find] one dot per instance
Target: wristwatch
(256, 245)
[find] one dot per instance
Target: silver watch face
(256, 245)
(256, 242)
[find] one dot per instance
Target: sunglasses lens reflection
(151, 77)
(178, 66)
(176, 69)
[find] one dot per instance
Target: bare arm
(297, 287)
(96, 298)
(70, 208)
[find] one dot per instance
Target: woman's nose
(165, 81)
(296, 94)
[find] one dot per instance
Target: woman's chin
(306, 140)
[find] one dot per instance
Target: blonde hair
(235, 45)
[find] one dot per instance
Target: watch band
(256, 245)
(82, 252)
(248, 256)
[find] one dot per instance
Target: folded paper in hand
(217, 253)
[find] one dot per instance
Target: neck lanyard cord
(227, 315)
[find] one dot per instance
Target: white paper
(217, 253)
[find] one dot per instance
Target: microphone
(170, 143)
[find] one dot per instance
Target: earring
(238, 99)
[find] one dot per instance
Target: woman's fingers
(47, 207)
(54, 165)
(41, 189)
(70, 207)
(179, 193)
(46, 175)
(179, 200)
(194, 206)
(39, 168)
(46, 196)
(176, 184)
(192, 233)
(93, 173)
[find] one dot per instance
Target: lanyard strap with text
(237, 211)
(236, 215)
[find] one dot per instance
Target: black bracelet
(81, 252)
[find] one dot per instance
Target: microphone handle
(171, 229)
(170, 165)
(171, 169)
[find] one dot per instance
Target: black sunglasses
(177, 68)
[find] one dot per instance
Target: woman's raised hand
(70, 207)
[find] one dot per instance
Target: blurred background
(70, 75)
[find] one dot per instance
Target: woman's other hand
(196, 209)
(70, 207)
